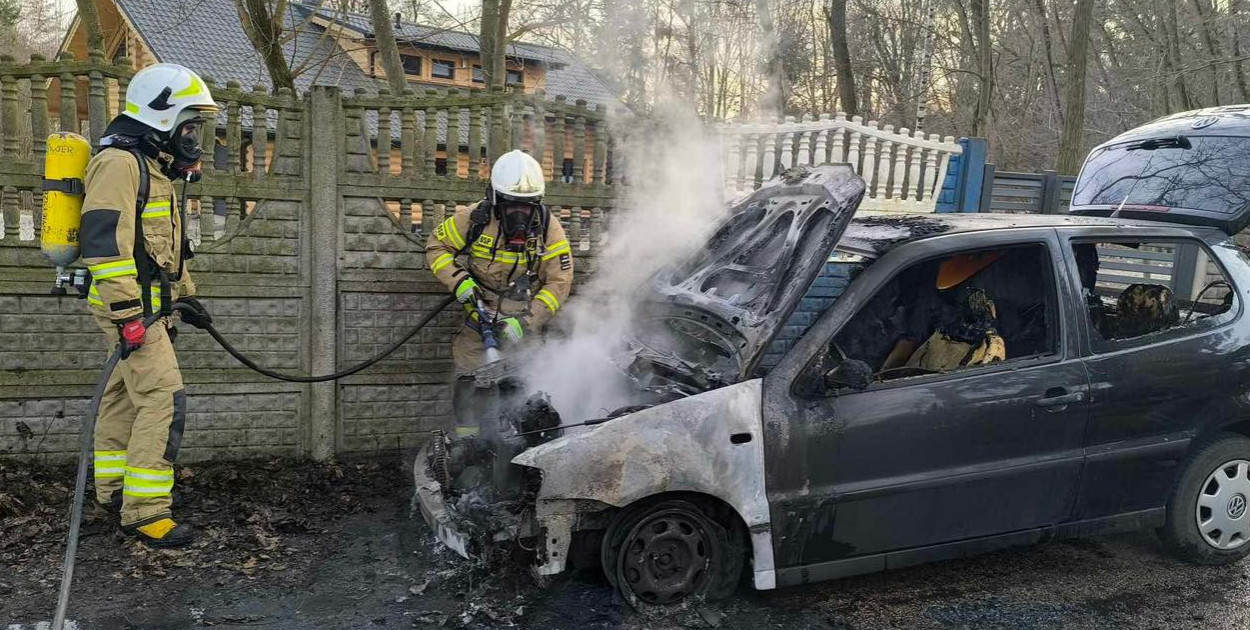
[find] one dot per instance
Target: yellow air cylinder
(63, 171)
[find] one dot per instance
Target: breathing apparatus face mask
(183, 144)
(518, 220)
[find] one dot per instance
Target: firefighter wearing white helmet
(508, 261)
(133, 243)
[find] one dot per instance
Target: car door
(922, 461)
(1150, 393)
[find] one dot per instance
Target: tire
(657, 554)
(1208, 520)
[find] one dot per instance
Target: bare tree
(835, 15)
(1203, 10)
(388, 50)
(1048, 45)
(89, 17)
(263, 22)
(985, 66)
(1074, 90)
(774, 99)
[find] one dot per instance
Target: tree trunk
(985, 68)
(1235, 11)
(1172, 41)
(264, 30)
(1070, 143)
(835, 15)
(1048, 45)
(1213, 50)
(487, 40)
(388, 50)
(774, 101)
(498, 62)
(926, 64)
(89, 17)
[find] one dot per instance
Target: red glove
(132, 333)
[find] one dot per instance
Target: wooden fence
(1031, 193)
(904, 169)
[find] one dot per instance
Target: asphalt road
(378, 569)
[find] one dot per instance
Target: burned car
(823, 395)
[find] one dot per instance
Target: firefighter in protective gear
(507, 254)
(133, 243)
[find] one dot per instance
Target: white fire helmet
(516, 175)
(159, 93)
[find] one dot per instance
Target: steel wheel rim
(1222, 512)
(665, 557)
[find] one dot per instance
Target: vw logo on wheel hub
(1237, 506)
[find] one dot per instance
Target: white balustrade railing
(904, 169)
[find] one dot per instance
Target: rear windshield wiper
(1175, 142)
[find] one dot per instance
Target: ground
(300, 546)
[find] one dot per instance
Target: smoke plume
(672, 198)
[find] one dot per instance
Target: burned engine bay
(699, 326)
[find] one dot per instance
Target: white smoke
(672, 198)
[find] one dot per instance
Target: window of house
(515, 77)
(959, 311)
(1144, 289)
(440, 69)
(478, 75)
(412, 64)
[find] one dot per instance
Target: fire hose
(88, 428)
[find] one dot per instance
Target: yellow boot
(163, 533)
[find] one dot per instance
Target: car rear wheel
(1208, 517)
(666, 552)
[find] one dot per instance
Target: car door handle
(1059, 396)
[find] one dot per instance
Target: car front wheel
(1208, 516)
(667, 552)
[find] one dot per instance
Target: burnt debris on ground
(347, 555)
(269, 532)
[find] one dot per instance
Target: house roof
(206, 36)
(566, 76)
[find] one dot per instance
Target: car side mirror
(851, 373)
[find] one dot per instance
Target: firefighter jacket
(126, 277)
(548, 260)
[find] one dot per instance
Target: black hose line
(88, 429)
(80, 484)
(337, 375)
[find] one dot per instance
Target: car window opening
(1143, 289)
(956, 312)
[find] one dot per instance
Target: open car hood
(710, 317)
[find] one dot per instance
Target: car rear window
(1200, 173)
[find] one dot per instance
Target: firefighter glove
(197, 315)
(511, 328)
(132, 333)
(467, 291)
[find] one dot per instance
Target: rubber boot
(163, 534)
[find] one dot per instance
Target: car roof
(878, 232)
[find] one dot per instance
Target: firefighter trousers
(139, 429)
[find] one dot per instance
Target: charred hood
(710, 317)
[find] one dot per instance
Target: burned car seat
(1144, 308)
(970, 339)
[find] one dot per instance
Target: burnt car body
(773, 432)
